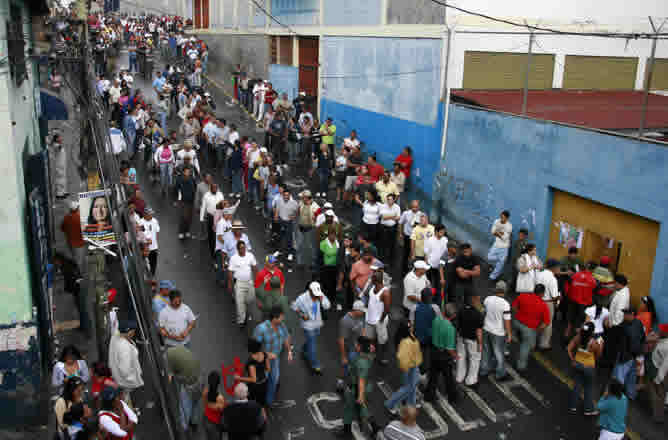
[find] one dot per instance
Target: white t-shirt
(547, 279)
(347, 142)
(222, 227)
(241, 266)
(176, 321)
(598, 322)
(434, 249)
(506, 229)
(497, 310)
(413, 286)
(371, 213)
(151, 229)
(394, 211)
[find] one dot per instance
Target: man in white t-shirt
(547, 278)
(151, 231)
(176, 321)
(414, 282)
(497, 332)
(435, 249)
(352, 141)
(502, 231)
(242, 270)
(621, 300)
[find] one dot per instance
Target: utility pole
(648, 77)
(525, 95)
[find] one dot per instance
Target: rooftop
(605, 110)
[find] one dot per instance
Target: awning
(53, 108)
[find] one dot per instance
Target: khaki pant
(545, 338)
(244, 295)
(468, 363)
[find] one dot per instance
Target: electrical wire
(639, 35)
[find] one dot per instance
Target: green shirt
(443, 334)
(331, 129)
(183, 364)
(360, 368)
(329, 252)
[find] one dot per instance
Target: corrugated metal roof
(605, 110)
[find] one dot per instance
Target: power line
(268, 14)
(639, 35)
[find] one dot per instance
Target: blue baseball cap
(167, 284)
(271, 259)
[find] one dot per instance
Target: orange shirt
(71, 226)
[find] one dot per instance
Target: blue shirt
(158, 83)
(613, 413)
(159, 302)
(272, 340)
(424, 318)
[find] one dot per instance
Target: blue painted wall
(387, 136)
(495, 161)
(296, 12)
(284, 79)
(352, 12)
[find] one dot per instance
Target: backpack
(166, 154)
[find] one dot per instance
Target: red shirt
(71, 226)
(406, 162)
(266, 276)
(531, 310)
(270, 96)
(582, 288)
(375, 171)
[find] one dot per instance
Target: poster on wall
(96, 218)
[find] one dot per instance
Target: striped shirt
(272, 340)
(398, 431)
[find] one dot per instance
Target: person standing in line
(202, 188)
(244, 419)
(328, 133)
(531, 316)
(406, 222)
(242, 268)
(351, 326)
(613, 407)
(583, 351)
(422, 232)
(657, 369)
(152, 231)
(378, 315)
(390, 213)
(470, 342)
(547, 278)
(444, 355)
(274, 337)
(71, 226)
(467, 267)
(208, 211)
(116, 418)
(516, 250)
(186, 190)
(502, 231)
(621, 300)
(176, 321)
(414, 282)
(161, 299)
(309, 306)
(528, 266)
(59, 157)
(305, 234)
(632, 346)
(184, 371)
(435, 249)
(425, 312)
(124, 359)
(580, 296)
(286, 210)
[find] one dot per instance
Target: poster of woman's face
(95, 214)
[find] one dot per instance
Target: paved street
(533, 403)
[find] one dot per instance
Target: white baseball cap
(359, 305)
(315, 288)
(327, 205)
(329, 212)
(419, 264)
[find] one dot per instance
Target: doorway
(308, 71)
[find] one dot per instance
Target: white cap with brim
(419, 264)
(315, 288)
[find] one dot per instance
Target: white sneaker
(187, 234)
(339, 308)
(290, 257)
(180, 236)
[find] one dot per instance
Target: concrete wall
(495, 161)
(415, 12)
(352, 12)
(373, 85)
(226, 51)
(296, 12)
(19, 137)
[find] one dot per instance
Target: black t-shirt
(470, 320)
(243, 419)
(467, 263)
(260, 369)
(278, 127)
(356, 160)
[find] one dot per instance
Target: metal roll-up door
(660, 74)
(600, 73)
(504, 70)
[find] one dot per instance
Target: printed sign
(96, 218)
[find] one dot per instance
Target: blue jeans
(584, 379)
(408, 390)
(497, 257)
(310, 347)
(237, 187)
(272, 381)
(527, 343)
(163, 120)
(287, 231)
(189, 406)
(323, 179)
(166, 172)
(625, 373)
(351, 358)
(131, 138)
(132, 61)
(253, 187)
(493, 348)
(221, 275)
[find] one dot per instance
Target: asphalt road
(534, 404)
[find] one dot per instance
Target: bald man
(404, 428)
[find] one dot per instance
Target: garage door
(660, 75)
(502, 70)
(629, 240)
(600, 73)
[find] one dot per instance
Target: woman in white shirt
(370, 216)
(528, 265)
(598, 315)
(389, 216)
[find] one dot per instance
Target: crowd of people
(455, 322)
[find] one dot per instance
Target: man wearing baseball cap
(309, 306)
(124, 358)
(269, 271)
(657, 367)
(351, 326)
(414, 282)
(161, 299)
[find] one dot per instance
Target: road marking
(456, 417)
(482, 405)
(320, 420)
(294, 433)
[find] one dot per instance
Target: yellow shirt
(385, 189)
(419, 236)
